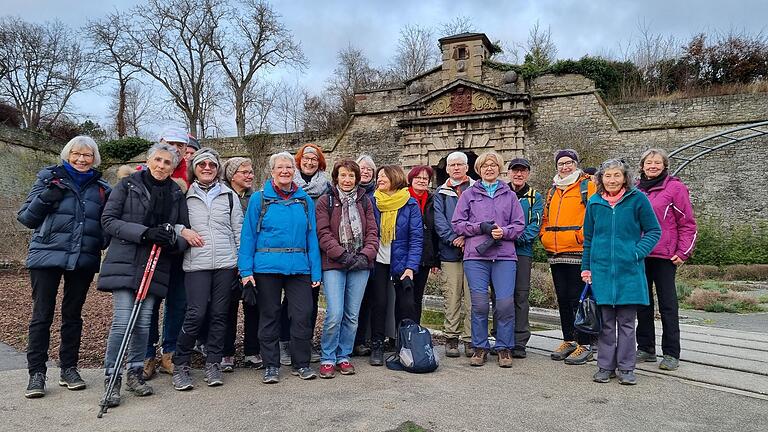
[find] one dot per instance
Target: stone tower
(463, 56)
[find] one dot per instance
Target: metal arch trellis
(710, 143)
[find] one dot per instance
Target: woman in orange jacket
(562, 236)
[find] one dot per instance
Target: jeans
(173, 317)
(344, 292)
(522, 291)
(457, 299)
(616, 343)
(480, 274)
(122, 305)
(45, 286)
(661, 273)
(568, 287)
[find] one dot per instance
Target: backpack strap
(231, 204)
(265, 203)
(531, 195)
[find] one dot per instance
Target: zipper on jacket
(613, 255)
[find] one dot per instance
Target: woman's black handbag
(588, 318)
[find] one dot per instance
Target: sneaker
(327, 370)
(305, 373)
(71, 379)
(504, 358)
(112, 399)
(150, 368)
(377, 354)
(166, 363)
(134, 381)
(314, 357)
(253, 361)
(479, 357)
(200, 349)
(519, 353)
(285, 354)
(182, 378)
(36, 386)
(580, 356)
(644, 356)
(564, 350)
(603, 375)
(669, 363)
(469, 350)
(452, 348)
(361, 350)
(213, 374)
(345, 368)
(228, 364)
(271, 375)
(627, 377)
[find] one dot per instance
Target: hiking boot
(452, 348)
(112, 399)
(564, 350)
(504, 358)
(327, 370)
(669, 363)
(253, 361)
(377, 354)
(469, 350)
(213, 375)
(361, 350)
(285, 354)
(519, 352)
(627, 377)
(305, 373)
(150, 368)
(479, 357)
(166, 363)
(603, 375)
(36, 386)
(271, 375)
(644, 356)
(182, 378)
(71, 379)
(345, 368)
(228, 364)
(580, 356)
(134, 381)
(314, 356)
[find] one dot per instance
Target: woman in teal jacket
(279, 252)
(620, 230)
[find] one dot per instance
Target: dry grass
(741, 272)
(699, 272)
(542, 288)
(719, 301)
(640, 95)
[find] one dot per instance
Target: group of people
(367, 236)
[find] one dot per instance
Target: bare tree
(353, 73)
(320, 114)
(653, 55)
(540, 51)
(417, 52)
(458, 24)
(289, 107)
(253, 38)
(260, 101)
(139, 104)
(44, 67)
(210, 108)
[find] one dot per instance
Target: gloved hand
(249, 294)
(487, 227)
(407, 284)
(53, 193)
(361, 262)
(159, 235)
(347, 259)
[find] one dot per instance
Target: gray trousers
(522, 290)
(616, 343)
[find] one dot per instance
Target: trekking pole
(141, 294)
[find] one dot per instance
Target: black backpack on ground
(415, 352)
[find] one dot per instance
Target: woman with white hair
(280, 254)
(64, 208)
(367, 182)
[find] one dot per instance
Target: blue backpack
(415, 352)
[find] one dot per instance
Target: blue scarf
(79, 177)
(490, 188)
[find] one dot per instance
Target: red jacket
(328, 229)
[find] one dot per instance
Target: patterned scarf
(351, 226)
(388, 206)
(316, 186)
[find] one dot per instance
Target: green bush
(609, 76)
(720, 246)
(124, 149)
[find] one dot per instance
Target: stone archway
(440, 174)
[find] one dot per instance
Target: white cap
(174, 134)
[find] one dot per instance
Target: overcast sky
(324, 27)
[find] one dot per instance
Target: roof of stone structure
(467, 36)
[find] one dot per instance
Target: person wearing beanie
(192, 147)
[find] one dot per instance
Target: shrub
(693, 271)
(542, 288)
(719, 301)
(720, 246)
(124, 149)
(683, 290)
(754, 272)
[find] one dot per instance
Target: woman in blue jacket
(620, 230)
(64, 208)
(279, 253)
(401, 240)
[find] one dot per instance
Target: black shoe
(71, 379)
(271, 375)
(519, 353)
(36, 386)
(377, 354)
(112, 399)
(305, 373)
(134, 381)
(361, 350)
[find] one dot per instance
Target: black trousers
(250, 325)
(364, 317)
(298, 293)
(208, 293)
(568, 287)
(419, 284)
(405, 305)
(45, 285)
(660, 272)
(522, 307)
(285, 319)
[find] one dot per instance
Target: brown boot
(479, 357)
(469, 351)
(150, 368)
(166, 363)
(504, 358)
(452, 348)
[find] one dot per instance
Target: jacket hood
(446, 189)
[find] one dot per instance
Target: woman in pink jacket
(672, 205)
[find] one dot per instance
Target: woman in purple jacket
(490, 218)
(672, 205)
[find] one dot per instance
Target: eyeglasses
(245, 173)
(426, 179)
(565, 163)
(78, 155)
(208, 164)
(489, 165)
(309, 159)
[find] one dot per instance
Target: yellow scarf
(388, 206)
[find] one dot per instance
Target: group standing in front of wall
(368, 237)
